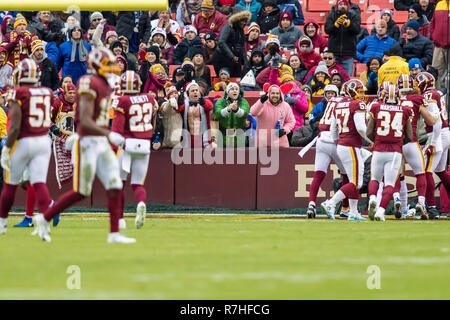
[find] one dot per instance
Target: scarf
(18, 49)
(189, 8)
(82, 51)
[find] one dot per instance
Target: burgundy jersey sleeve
(344, 112)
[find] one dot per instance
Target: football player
(436, 148)
(387, 126)
(348, 128)
(92, 151)
(409, 98)
(133, 118)
(325, 151)
(28, 143)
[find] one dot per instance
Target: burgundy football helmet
(102, 61)
(130, 82)
(424, 81)
(354, 89)
(382, 90)
(26, 72)
(391, 94)
(405, 83)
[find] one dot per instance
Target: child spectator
(316, 114)
(224, 76)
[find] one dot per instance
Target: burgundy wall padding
(216, 185)
(159, 182)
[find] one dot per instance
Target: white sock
(3, 221)
(373, 198)
(421, 200)
(312, 203)
(396, 195)
(380, 211)
(380, 193)
(404, 196)
(353, 203)
(338, 197)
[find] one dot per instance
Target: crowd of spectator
(250, 45)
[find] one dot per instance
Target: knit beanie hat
(155, 49)
(417, 8)
(272, 39)
(321, 67)
(190, 85)
(36, 44)
(388, 11)
(345, 1)
(124, 61)
(156, 67)
(331, 87)
(225, 71)
(160, 31)
(231, 85)
(210, 36)
(286, 76)
(95, 15)
(115, 44)
(414, 63)
(195, 51)
(111, 33)
(169, 88)
(253, 26)
(305, 40)
(20, 20)
(286, 15)
(414, 24)
(188, 29)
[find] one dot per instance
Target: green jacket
(232, 119)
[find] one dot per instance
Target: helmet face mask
(354, 89)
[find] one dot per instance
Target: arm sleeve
(334, 129)
(257, 108)
(96, 37)
(360, 122)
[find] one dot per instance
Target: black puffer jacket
(52, 33)
(125, 24)
(49, 75)
(342, 41)
(268, 21)
(418, 47)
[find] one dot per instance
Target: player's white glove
(173, 103)
(116, 139)
(70, 141)
(5, 159)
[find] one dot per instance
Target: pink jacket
(298, 109)
(267, 117)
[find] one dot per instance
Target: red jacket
(310, 59)
(440, 25)
(214, 24)
(318, 41)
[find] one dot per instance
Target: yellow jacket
(392, 69)
(3, 121)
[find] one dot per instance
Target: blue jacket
(254, 8)
(295, 8)
(371, 46)
(52, 51)
(74, 69)
(318, 109)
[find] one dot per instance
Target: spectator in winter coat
(440, 34)
(299, 70)
(338, 80)
(47, 27)
(256, 65)
(201, 69)
(18, 42)
(320, 80)
(117, 48)
(49, 75)
(309, 57)
(287, 33)
(416, 45)
(427, 8)
(232, 43)
(393, 67)
(374, 45)
(95, 19)
(392, 28)
(72, 55)
(415, 67)
(294, 7)
(131, 58)
(187, 10)
(271, 112)
(254, 6)
(269, 16)
(343, 25)
(187, 45)
(209, 19)
(167, 50)
(231, 111)
(156, 79)
(311, 29)
(252, 39)
(171, 27)
(370, 77)
(332, 65)
(196, 117)
(211, 45)
(296, 98)
(6, 69)
(416, 13)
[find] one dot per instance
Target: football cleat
(140, 215)
(404, 215)
(433, 213)
(379, 216)
(356, 217)
(329, 209)
(344, 213)
(116, 237)
(421, 211)
(372, 209)
(27, 222)
(122, 223)
(397, 208)
(43, 228)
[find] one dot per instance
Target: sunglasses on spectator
(328, 58)
(98, 19)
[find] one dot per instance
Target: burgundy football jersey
(134, 115)
(36, 104)
(99, 89)
(344, 112)
(390, 122)
(325, 121)
(413, 102)
(435, 96)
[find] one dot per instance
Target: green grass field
(229, 257)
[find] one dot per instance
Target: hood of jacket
(239, 15)
(314, 22)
